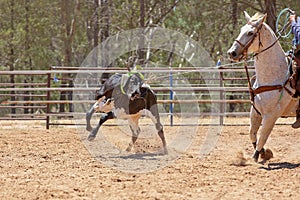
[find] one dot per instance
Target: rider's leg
(296, 71)
(295, 81)
(296, 124)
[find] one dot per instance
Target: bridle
(249, 43)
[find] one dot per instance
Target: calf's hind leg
(163, 139)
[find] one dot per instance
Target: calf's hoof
(89, 128)
(165, 151)
(91, 137)
(128, 149)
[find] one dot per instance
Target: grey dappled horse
(272, 91)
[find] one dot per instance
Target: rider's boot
(296, 124)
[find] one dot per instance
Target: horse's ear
(247, 16)
(264, 17)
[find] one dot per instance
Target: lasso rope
(287, 12)
(153, 77)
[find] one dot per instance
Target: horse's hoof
(89, 128)
(91, 138)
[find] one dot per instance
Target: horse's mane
(270, 29)
(256, 17)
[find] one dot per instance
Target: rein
(251, 91)
(256, 54)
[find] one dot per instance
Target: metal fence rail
(25, 100)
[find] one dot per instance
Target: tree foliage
(38, 34)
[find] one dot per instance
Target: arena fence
(47, 94)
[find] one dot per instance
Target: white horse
(272, 94)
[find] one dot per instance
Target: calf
(137, 101)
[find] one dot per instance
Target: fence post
(222, 110)
(48, 99)
(171, 98)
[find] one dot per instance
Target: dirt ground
(36, 163)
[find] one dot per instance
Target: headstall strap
(243, 46)
(246, 46)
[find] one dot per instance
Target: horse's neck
(270, 65)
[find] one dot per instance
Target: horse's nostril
(233, 54)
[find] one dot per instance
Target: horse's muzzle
(233, 55)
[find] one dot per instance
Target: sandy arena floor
(36, 163)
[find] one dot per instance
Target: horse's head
(248, 40)
(133, 84)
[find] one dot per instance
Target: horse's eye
(250, 33)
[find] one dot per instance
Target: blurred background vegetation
(39, 34)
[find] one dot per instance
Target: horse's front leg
(255, 122)
(103, 119)
(268, 123)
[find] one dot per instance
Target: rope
(154, 77)
(287, 12)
